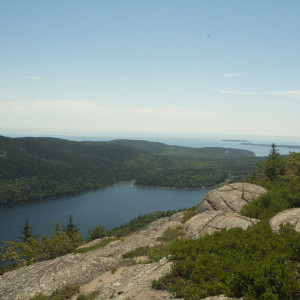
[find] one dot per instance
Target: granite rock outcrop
(291, 216)
(230, 198)
(214, 220)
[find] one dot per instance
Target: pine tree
(26, 231)
(73, 231)
(274, 165)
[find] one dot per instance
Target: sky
(161, 66)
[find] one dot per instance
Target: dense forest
(40, 168)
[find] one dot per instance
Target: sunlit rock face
(291, 216)
(230, 198)
(210, 221)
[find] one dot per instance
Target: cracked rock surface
(211, 221)
(291, 216)
(230, 198)
(131, 282)
(47, 276)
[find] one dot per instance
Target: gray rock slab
(230, 198)
(134, 282)
(211, 221)
(291, 216)
(47, 276)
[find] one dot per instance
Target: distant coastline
(268, 145)
(237, 141)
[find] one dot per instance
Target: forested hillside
(39, 168)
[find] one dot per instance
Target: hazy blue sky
(151, 66)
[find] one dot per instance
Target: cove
(110, 207)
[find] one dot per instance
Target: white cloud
(34, 78)
(233, 74)
(291, 94)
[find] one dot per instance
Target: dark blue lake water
(109, 207)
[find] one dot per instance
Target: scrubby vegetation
(140, 222)
(255, 263)
(281, 176)
(64, 240)
(156, 253)
(60, 242)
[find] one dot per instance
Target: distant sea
(260, 145)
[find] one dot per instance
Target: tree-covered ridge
(173, 150)
(39, 168)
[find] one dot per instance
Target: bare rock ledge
(230, 198)
(291, 216)
(211, 221)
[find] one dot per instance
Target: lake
(109, 207)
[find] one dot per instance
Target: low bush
(255, 264)
(62, 294)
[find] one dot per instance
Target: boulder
(291, 216)
(230, 198)
(214, 220)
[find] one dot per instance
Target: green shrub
(140, 222)
(188, 214)
(171, 234)
(283, 195)
(98, 232)
(142, 251)
(255, 264)
(90, 296)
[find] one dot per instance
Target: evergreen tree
(73, 231)
(26, 231)
(274, 165)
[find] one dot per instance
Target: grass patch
(142, 251)
(99, 245)
(171, 234)
(90, 296)
(157, 252)
(188, 214)
(154, 254)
